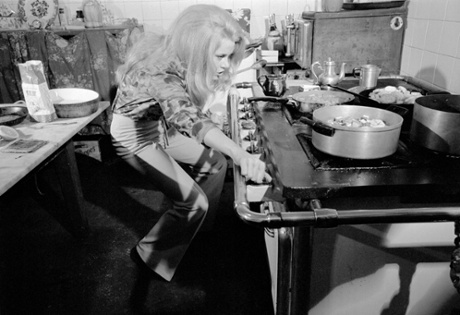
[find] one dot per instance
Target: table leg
(70, 212)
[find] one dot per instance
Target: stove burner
(404, 157)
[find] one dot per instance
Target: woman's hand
(252, 168)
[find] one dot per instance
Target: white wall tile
(450, 35)
(433, 38)
(419, 35)
(428, 66)
(415, 62)
(169, 9)
(453, 11)
(151, 11)
(437, 9)
(443, 71)
(453, 84)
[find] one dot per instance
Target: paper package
(36, 92)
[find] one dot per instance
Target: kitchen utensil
(273, 84)
(12, 115)
(435, 123)
(355, 142)
(368, 75)
(308, 101)
(365, 100)
(255, 66)
(74, 102)
(329, 75)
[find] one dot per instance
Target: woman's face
(223, 55)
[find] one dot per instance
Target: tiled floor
(44, 270)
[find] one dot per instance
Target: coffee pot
(328, 76)
(273, 84)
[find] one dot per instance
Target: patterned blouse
(164, 96)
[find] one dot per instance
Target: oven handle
(315, 215)
(324, 217)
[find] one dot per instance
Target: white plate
(38, 13)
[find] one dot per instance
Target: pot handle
(402, 111)
(268, 99)
(318, 127)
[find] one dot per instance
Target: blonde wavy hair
(188, 46)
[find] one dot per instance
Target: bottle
(93, 14)
(80, 17)
(274, 35)
(62, 17)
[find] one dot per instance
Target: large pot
(435, 123)
(355, 142)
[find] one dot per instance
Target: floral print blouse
(163, 96)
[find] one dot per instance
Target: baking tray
(12, 115)
(373, 5)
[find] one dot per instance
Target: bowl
(74, 102)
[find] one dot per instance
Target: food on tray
(394, 95)
(363, 121)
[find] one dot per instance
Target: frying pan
(309, 101)
(12, 115)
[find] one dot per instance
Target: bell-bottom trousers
(190, 174)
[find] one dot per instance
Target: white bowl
(74, 102)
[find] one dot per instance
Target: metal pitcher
(368, 75)
(329, 75)
(273, 84)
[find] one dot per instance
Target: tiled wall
(431, 49)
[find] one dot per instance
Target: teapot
(273, 84)
(329, 75)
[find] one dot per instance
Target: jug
(273, 84)
(329, 75)
(368, 75)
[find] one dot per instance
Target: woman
(160, 128)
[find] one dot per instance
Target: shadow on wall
(433, 76)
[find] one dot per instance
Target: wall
(431, 47)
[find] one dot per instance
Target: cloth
(164, 93)
(188, 173)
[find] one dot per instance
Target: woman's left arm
(252, 168)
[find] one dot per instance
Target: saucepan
(308, 101)
(355, 142)
(436, 123)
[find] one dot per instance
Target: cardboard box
(98, 147)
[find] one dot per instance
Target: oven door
(303, 40)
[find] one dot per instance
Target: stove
(305, 200)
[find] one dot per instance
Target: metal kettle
(329, 75)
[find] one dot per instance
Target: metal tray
(12, 115)
(373, 5)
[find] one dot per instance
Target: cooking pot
(355, 142)
(309, 101)
(436, 123)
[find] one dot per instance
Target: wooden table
(59, 154)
